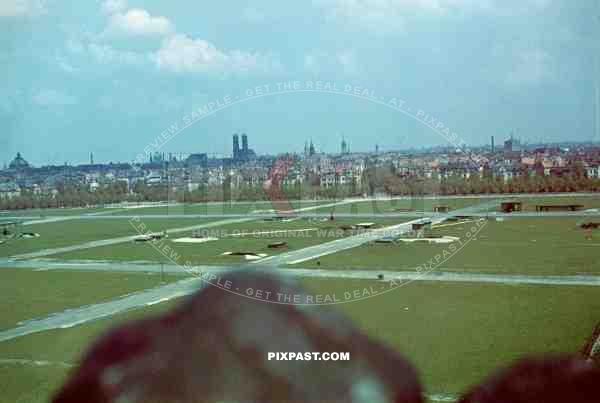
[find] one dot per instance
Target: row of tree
(372, 182)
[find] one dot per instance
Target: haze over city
(86, 76)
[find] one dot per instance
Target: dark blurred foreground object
(215, 346)
(559, 379)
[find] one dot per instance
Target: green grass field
(71, 232)
(32, 294)
(455, 334)
(35, 382)
(210, 252)
(52, 212)
(550, 246)
(587, 202)
(419, 203)
(234, 207)
(387, 206)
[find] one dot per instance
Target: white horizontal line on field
(36, 363)
(278, 231)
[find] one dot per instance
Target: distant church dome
(18, 163)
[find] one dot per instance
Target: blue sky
(110, 76)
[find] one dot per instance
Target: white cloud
(137, 21)
(49, 97)
(176, 52)
(15, 8)
(181, 53)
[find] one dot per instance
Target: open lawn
(380, 206)
(420, 203)
(33, 380)
(549, 246)
(71, 232)
(455, 334)
(387, 206)
(213, 208)
(529, 203)
(257, 240)
(27, 294)
(417, 203)
(52, 212)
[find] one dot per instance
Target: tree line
(373, 181)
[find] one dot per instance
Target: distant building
(592, 171)
(9, 190)
(18, 163)
(244, 154)
(236, 147)
(508, 145)
(244, 144)
(344, 147)
(157, 158)
(154, 178)
(510, 206)
(197, 160)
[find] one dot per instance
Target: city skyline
(181, 155)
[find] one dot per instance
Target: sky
(111, 76)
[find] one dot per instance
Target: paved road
(88, 313)
(153, 267)
(46, 264)
(84, 314)
(45, 220)
(315, 251)
(129, 238)
(293, 257)
(5, 214)
(293, 271)
(123, 239)
(406, 276)
(407, 214)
